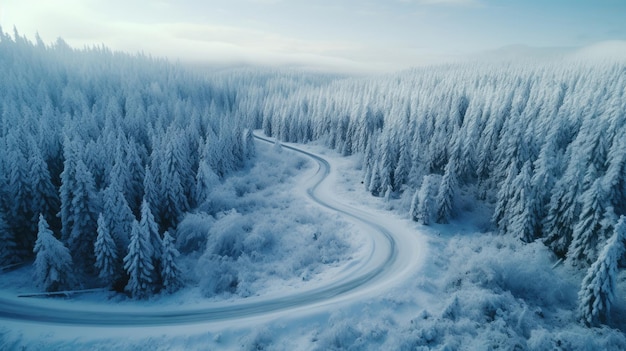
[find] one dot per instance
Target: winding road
(393, 254)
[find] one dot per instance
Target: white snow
(446, 287)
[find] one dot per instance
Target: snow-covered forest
(107, 151)
(129, 172)
(542, 142)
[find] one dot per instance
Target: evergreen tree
(375, 181)
(590, 229)
(615, 178)
(53, 262)
(118, 216)
(598, 287)
(523, 218)
(20, 216)
(71, 154)
(138, 263)
(170, 272)
(401, 173)
(206, 180)
(151, 191)
(426, 206)
(134, 185)
(505, 194)
(85, 211)
(45, 199)
(105, 251)
(174, 201)
(544, 177)
(148, 226)
(447, 193)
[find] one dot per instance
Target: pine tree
(206, 180)
(427, 193)
(523, 218)
(138, 263)
(505, 193)
(20, 216)
(118, 216)
(71, 154)
(151, 191)
(148, 226)
(84, 210)
(615, 178)
(45, 199)
(447, 193)
(401, 173)
(598, 287)
(375, 180)
(174, 201)
(590, 229)
(105, 251)
(134, 186)
(170, 272)
(53, 263)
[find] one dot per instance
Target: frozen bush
(192, 232)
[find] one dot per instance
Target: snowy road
(394, 252)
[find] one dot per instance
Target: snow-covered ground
(439, 287)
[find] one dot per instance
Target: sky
(335, 35)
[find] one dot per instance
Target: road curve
(372, 274)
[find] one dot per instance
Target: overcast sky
(380, 35)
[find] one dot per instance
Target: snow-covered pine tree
(403, 167)
(134, 186)
(118, 216)
(53, 262)
(545, 168)
(615, 178)
(170, 272)
(18, 187)
(598, 287)
(505, 194)
(151, 191)
(105, 251)
(447, 192)
(427, 194)
(523, 217)
(148, 226)
(174, 199)
(138, 263)
(590, 229)
(206, 180)
(85, 211)
(375, 180)
(45, 198)
(71, 154)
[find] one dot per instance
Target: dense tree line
(102, 154)
(543, 142)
